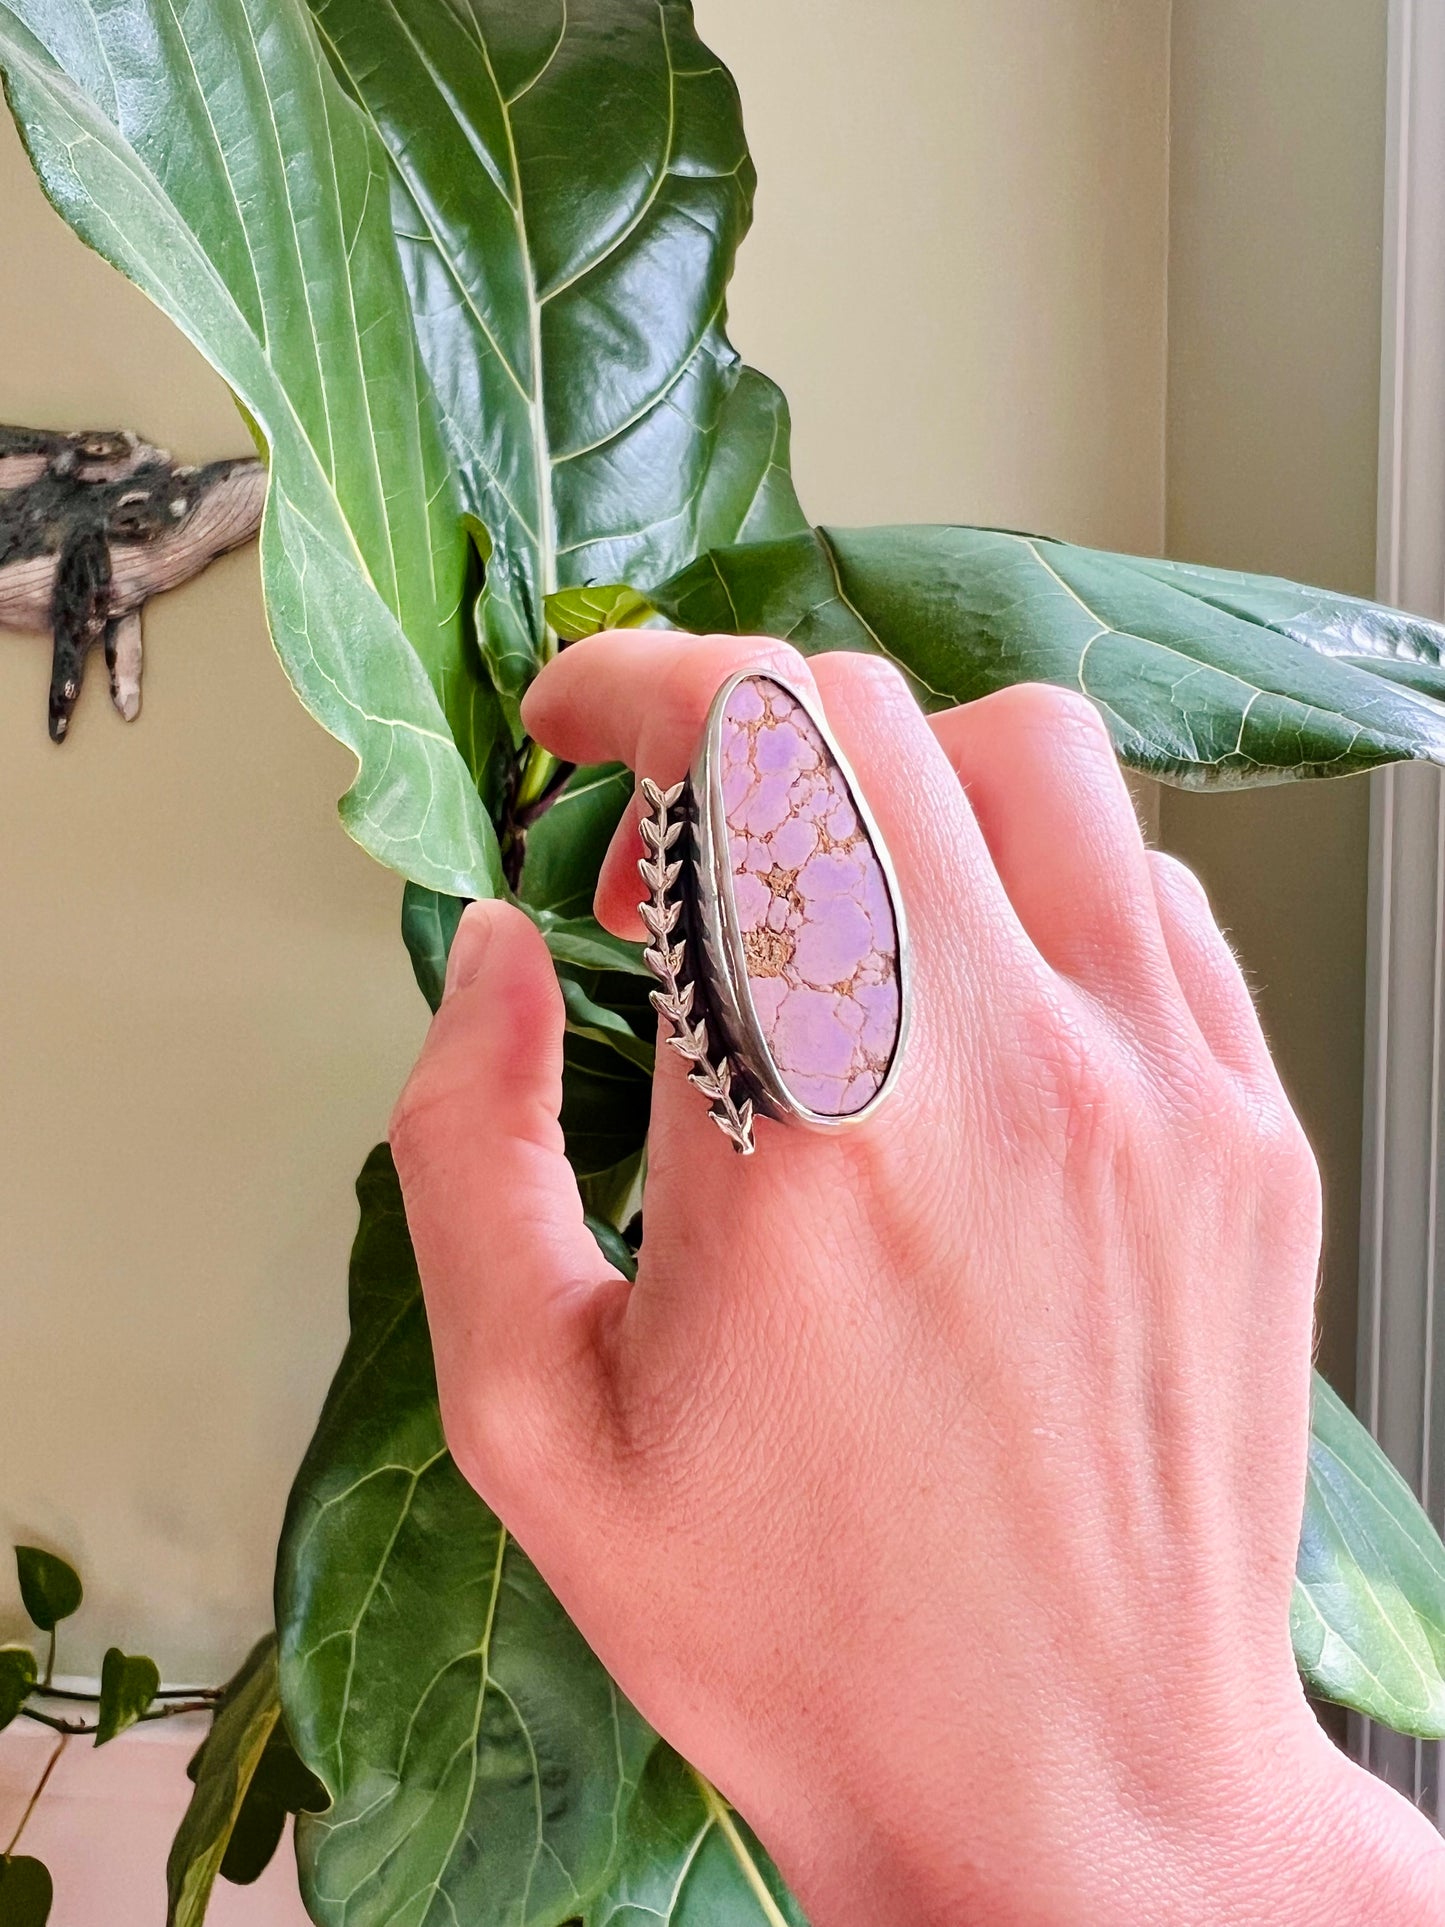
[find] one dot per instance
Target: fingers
(930, 830)
(643, 697)
(640, 697)
(1050, 798)
(515, 1285)
(1210, 978)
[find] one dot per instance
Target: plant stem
(80, 1728)
(208, 1694)
(538, 769)
(67, 1727)
(50, 1661)
(34, 1801)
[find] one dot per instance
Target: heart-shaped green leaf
(223, 1770)
(128, 1684)
(27, 1892)
(210, 155)
(1368, 1618)
(50, 1590)
(471, 1745)
(1203, 676)
(18, 1674)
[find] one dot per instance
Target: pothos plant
(463, 264)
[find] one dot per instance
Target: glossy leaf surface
(1204, 676)
(50, 1589)
(222, 1771)
(209, 154)
(571, 184)
(428, 923)
(474, 1750)
(1368, 1618)
(689, 1861)
(565, 847)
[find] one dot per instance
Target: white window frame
(1400, 1391)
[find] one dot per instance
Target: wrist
(1303, 1839)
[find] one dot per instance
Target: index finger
(642, 697)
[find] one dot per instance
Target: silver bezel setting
(715, 934)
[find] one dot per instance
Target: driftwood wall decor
(92, 525)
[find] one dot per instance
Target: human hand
(936, 1487)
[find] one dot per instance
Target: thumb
(514, 1283)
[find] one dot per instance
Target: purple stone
(812, 904)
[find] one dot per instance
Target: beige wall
(1277, 197)
(204, 1014)
(957, 271)
(959, 276)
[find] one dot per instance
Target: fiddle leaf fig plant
(464, 265)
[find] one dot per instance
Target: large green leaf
(1203, 676)
(1368, 1617)
(223, 1771)
(428, 923)
(688, 1860)
(207, 151)
(479, 1761)
(570, 185)
(565, 847)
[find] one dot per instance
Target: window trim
(1400, 1385)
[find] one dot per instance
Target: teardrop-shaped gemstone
(818, 934)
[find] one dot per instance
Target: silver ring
(778, 936)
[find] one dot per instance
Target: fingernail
(468, 948)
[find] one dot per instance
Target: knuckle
(1053, 709)
(864, 667)
(1286, 1163)
(1063, 1085)
(697, 671)
(413, 1124)
(1178, 880)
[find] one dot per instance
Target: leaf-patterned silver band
(675, 997)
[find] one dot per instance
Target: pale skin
(936, 1487)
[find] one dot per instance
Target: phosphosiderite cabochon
(795, 904)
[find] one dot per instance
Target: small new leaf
(26, 1891)
(18, 1674)
(128, 1683)
(49, 1588)
(576, 613)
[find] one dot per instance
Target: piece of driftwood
(92, 525)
